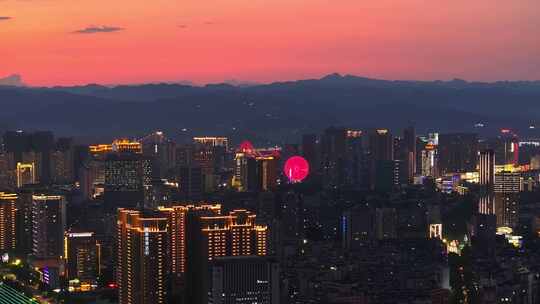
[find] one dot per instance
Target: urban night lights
(269, 152)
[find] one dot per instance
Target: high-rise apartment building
(223, 235)
(381, 145)
(386, 222)
(25, 174)
(389, 175)
(48, 225)
(334, 156)
(310, 149)
(507, 182)
(32, 148)
(7, 171)
(357, 226)
(62, 162)
(200, 233)
(255, 169)
(127, 178)
(507, 187)
(177, 219)
(142, 269)
(409, 150)
(16, 142)
(83, 254)
(191, 182)
(458, 152)
(161, 150)
(506, 148)
(8, 220)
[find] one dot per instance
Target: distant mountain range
(273, 113)
(14, 80)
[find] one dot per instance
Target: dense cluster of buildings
(377, 220)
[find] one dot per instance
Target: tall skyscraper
(358, 226)
(26, 174)
(292, 218)
(487, 169)
(310, 150)
(32, 148)
(8, 213)
(356, 166)
(191, 182)
(43, 143)
(381, 152)
(506, 148)
(428, 157)
(507, 187)
(7, 171)
(17, 142)
(386, 221)
(334, 154)
(389, 175)
(161, 151)
(458, 152)
(486, 203)
(219, 148)
(142, 269)
(127, 179)
(507, 182)
(381, 145)
(264, 177)
(255, 169)
(246, 280)
(83, 254)
(409, 150)
(177, 219)
(62, 162)
(48, 225)
(25, 221)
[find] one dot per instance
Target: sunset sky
(67, 42)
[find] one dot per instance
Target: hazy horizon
(248, 82)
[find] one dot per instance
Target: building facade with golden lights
(200, 233)
(8, 212)
(234, 234)
(82, 255)
(141, 270)
(118, 146)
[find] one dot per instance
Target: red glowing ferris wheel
(296, 169)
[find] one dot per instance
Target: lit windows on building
(507, 182)
(82, 255)
(8, 212)
(142, 257)
(48, 226)
(26, 174)
(118, 145)
(435, 231)
(212, 141)
(177, 218)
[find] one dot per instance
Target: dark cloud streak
(3, 18)
(99, 29)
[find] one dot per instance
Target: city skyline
(129, 42)
(269, 152)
